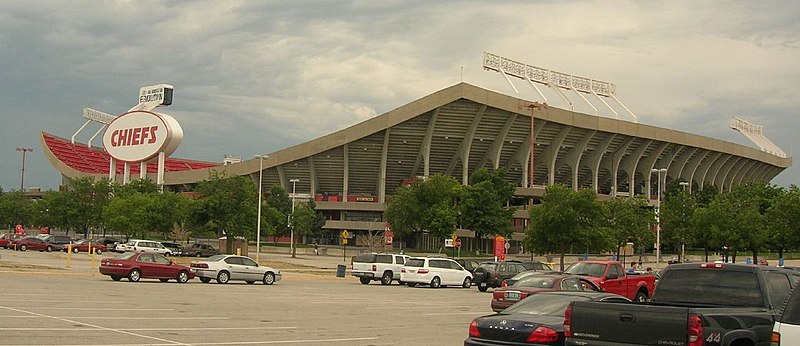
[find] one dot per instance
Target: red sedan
(507, 296)
(83, 246)
(140, 265)
(33, 243)
(6, 238)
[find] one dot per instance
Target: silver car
(224, 268)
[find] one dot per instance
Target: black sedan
(537, 319)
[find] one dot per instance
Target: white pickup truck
(378, 266)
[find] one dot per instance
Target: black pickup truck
(693, 304)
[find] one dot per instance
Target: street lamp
(22, 175)
(294, 186)
(660, 185)
(683, 241)
(260, 193)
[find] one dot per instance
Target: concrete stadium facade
(457, 130)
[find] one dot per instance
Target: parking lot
(48, 301)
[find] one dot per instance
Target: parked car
(6, 238)
(611, 277)
(492, 274)
(109, 242)
(83, 246)
(469, 264)
(436, 272)
(34, 243)
(786, 330)
(224, 268)
(535, 320)
(528, 273)
(61, 240)
(177, 249)
(199, 250)
(386, 267)
(504, 297)
(138, 265)
(138, 245)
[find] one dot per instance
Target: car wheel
(98, 251)
(269, 279)
(205, 280)
(641, 297)
(183, 277)
(436, 282)
(75, 250)
(483, 288)
(116, 277)
(49, 248)
(23, 248)
(223, 277)
(163, 280)
(364, 280)
(467, 282)
(134, 275)
(386, 279)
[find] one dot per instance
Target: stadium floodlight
(554, 80)
(755, 133)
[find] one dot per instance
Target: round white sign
(136, 136)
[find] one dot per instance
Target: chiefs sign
(139, 136)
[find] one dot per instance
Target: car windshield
(125, 255)
(216, 258)
(489, 266)
(536, 281)
(587, 269)
(543, 304)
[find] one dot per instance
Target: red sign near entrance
(500, 247)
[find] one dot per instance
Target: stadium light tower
(291, 239)
(260, 193)
(659, 172)
(22, 174)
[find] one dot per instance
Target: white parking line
(121, 317)
(272, 342)
(94, 309)
(145, 329)
(170, 342)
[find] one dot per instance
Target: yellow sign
(345, 234)
(344, 241)
(454, 236)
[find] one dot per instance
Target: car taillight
(504, 284)
(497, 295)
(568, 321)
(695, 330)
(402, 270)
(711, 265)
(422, 271)
(775, 339)
(199, 265)
(542, 335)
(374, 267)
(473, 329)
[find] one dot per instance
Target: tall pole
(22, 174)
(683, 241)
(658, 215)
(294, 186)
(260, 193)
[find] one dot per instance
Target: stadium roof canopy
(457, 130)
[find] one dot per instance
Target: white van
(137, 245)
(436, 272)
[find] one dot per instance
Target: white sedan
(436, 272)
(224, 268)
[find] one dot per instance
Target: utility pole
(22, 175)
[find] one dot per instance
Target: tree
(128, 215)
(484, 206)
(677, 209)
(565, 219)
(783, 221)
(306, 220)
(275, 216)
(15, 209)
(227, 205)
(167, 210)
(628, 220)
(80, 205)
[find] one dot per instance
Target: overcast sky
(254, 77)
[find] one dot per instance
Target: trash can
(340, 270)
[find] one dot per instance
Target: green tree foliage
(307, 221)
(80, 205)
(128, 215)
(426, 205)
(628, 220)
(227, 205)
(783, 221)
(15, 209)
(677, 209)
(484, 205)
(275, 215)
(564, 220)
(166, 211)
(144, 186)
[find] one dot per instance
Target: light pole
(658, 215)
(294, 186)
(260, 193)
(683, 241)
(22, 175)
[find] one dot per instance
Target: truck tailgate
(599, 323)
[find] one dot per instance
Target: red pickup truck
(610, 277)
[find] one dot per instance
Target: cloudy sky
(254, 77)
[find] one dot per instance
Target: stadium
(455, 131)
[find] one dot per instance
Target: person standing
(316, 249)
